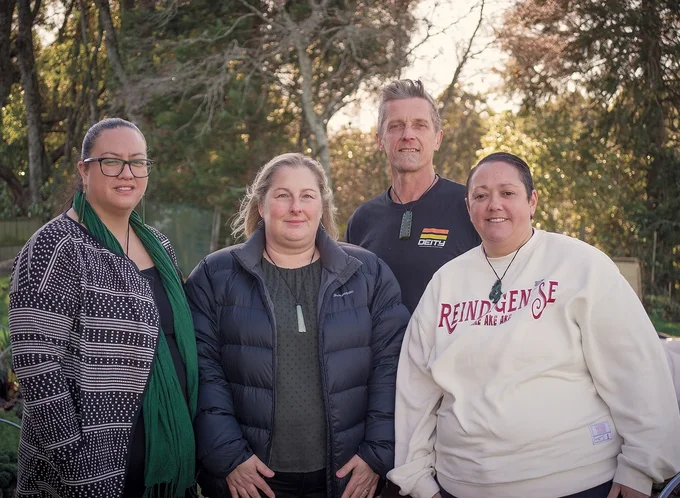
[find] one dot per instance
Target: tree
(587, 187)
(464, 124)
(29, 82)
(462, 112)
(624, 56)
(360, 171)
(208, 125)
(316, 54)
(65, 86)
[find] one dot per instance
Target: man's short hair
(407, 89)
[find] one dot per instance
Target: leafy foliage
(360, 171)
(587, 188)
(8, 472)
(465, 122)
(623, 55)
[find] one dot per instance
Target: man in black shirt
(420, 222)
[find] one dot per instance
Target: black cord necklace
(407, 218)
(496, 291)
(127, 235)
(296, 295)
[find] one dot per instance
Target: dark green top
(299, 437)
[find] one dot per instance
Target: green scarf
(170, 446)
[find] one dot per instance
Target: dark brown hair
(89, 142)
(505, 157)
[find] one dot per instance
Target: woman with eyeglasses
(103, 341)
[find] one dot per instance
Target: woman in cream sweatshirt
(530, 369)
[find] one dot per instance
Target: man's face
(408, 135)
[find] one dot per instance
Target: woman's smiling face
(292, 208)
(114, 195)
(500, 207)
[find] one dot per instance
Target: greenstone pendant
(496, 292)
(406, 222)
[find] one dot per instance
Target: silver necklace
(407, 218)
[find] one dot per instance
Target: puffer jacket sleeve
(390, 318)
(220, 445)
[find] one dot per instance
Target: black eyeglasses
(112, 166)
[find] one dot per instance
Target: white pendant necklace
(298, 307)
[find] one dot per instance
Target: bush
(662, 307)
(9, 385)
(8, 473)
(9, 434)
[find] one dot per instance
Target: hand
(245, 479)
(625, 491)
(363, 482)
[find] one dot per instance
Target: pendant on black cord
(496, 292)
(405, 229)
(301, 319)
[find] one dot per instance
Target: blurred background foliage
(220, 87)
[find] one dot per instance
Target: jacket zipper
(272, 318)
(339, 281)
(330, 475)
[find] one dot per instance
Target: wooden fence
(14, 233)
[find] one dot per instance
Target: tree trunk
(8, 75)
(7, 71)
(448, 95)
(16, 190)
(111, 40)
(314, 121)
(114, 58)
(216, 225)
(655, 123)
(29, 82)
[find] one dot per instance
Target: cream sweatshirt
(560, 386)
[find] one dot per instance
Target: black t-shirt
(134, 482)
(441, 231)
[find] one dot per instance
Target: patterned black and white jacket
(83, 327)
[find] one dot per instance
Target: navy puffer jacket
(361, 327)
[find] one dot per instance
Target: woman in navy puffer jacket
(298, 342)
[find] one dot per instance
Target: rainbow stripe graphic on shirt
(433, 237)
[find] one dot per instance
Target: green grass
(9, 435)
(670, 328)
